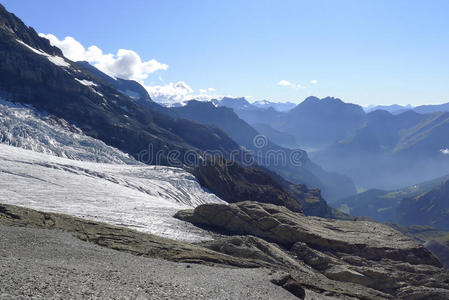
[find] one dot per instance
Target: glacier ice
(48, 164)
(27, 128)
(137, 196)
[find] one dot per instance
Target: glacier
(25, 127)
(143, 198)
(49, 165)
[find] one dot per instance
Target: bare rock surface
(348, 259)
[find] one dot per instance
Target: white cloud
(170, 93)
(180, 92)
(126, 64)
(285, 83)
(445, 151)
(314, 81)
(289, 84)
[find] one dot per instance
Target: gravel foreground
(52, 264)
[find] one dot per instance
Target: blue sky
(364, 52)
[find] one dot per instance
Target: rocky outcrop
(360, 259)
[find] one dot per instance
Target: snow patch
(131, 94)
(57, 60)
(98, 93)
(32, 49)
(86, 82)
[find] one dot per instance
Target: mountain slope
(430, 208)
(384, 206)
(283, 139)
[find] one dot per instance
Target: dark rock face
(234, 183)
(357, 259)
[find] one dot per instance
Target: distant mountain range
(279, 106)
(377, 149)
(313, 123)
(243, 104)
(397, 109)
(394, 108)
(331, 184)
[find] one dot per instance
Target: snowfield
(141, 197)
